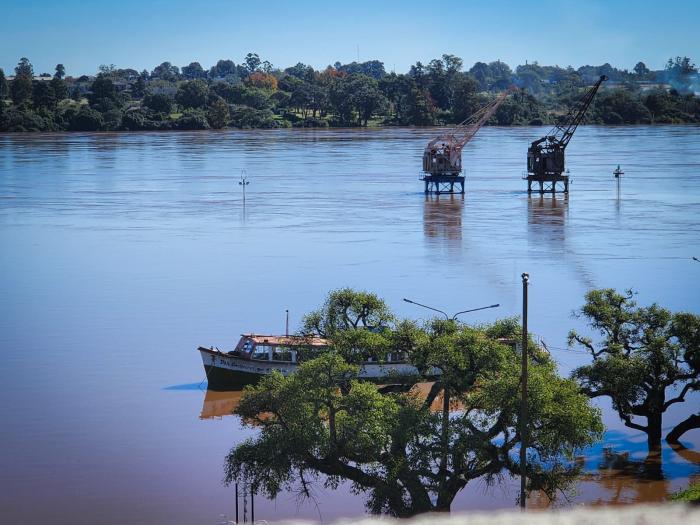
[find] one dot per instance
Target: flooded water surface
(121, 253)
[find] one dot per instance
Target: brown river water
(121, 253)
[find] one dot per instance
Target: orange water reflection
(218, 404)
(612, 476)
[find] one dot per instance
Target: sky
(143, 33)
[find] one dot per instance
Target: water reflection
(546, 216)
(442, 221)
(218, 404)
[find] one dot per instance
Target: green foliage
(24, 68)
(361, 94)
(104, 97)
(345, 309)
(192, 94)
(373, 69)
(689, 495)
(134, 121)
(366, 98)
(3, 85)
(166, 71)
(87, 119)
(405, 457)
(21, 87)
(159, 102)
(138, 89)
(59, 87)
(619, 106)
(245, 117)
(645, 354)
(26, 119)
(192, 119)
(218, 113)
(226, 69)
(43, 95)
(194, 70)
(139, 120)
(112, 119)
(421, 109)
(252, 62)
(103, 88)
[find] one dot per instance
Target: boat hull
(227, 372)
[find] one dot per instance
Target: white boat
(257, 355)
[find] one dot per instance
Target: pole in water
(243, 183)
(618, 175)
(523, 399)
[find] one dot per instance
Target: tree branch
(631, 424)
(681, 397)
(681, 428)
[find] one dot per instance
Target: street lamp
(523, 399)
(447, 317)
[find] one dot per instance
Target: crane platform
(547, 183)
(439, 184)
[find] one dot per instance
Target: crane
(545, 156)
(442, 158)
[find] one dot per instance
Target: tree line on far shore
(254, 94)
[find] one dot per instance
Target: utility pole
(286, 331)
(523, 398)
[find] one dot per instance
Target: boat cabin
(280, 348)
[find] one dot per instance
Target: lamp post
(446, 390)
(523, 398)
(454, 317)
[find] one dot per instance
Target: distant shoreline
(255, 95)
(329, 129)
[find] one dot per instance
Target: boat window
(261, 352)
(282, 353)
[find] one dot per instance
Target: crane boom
(545, 156)
(575, 115)
(443, 154)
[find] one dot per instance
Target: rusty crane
(545, 156)
(442, 158)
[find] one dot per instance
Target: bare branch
(631, 424)
(681, 397)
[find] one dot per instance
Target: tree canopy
(646, 360)
(397, 448)
(441, 91)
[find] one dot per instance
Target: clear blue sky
(143, 33)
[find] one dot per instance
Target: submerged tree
(648, 360)
(345, 309)
(411, 453)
